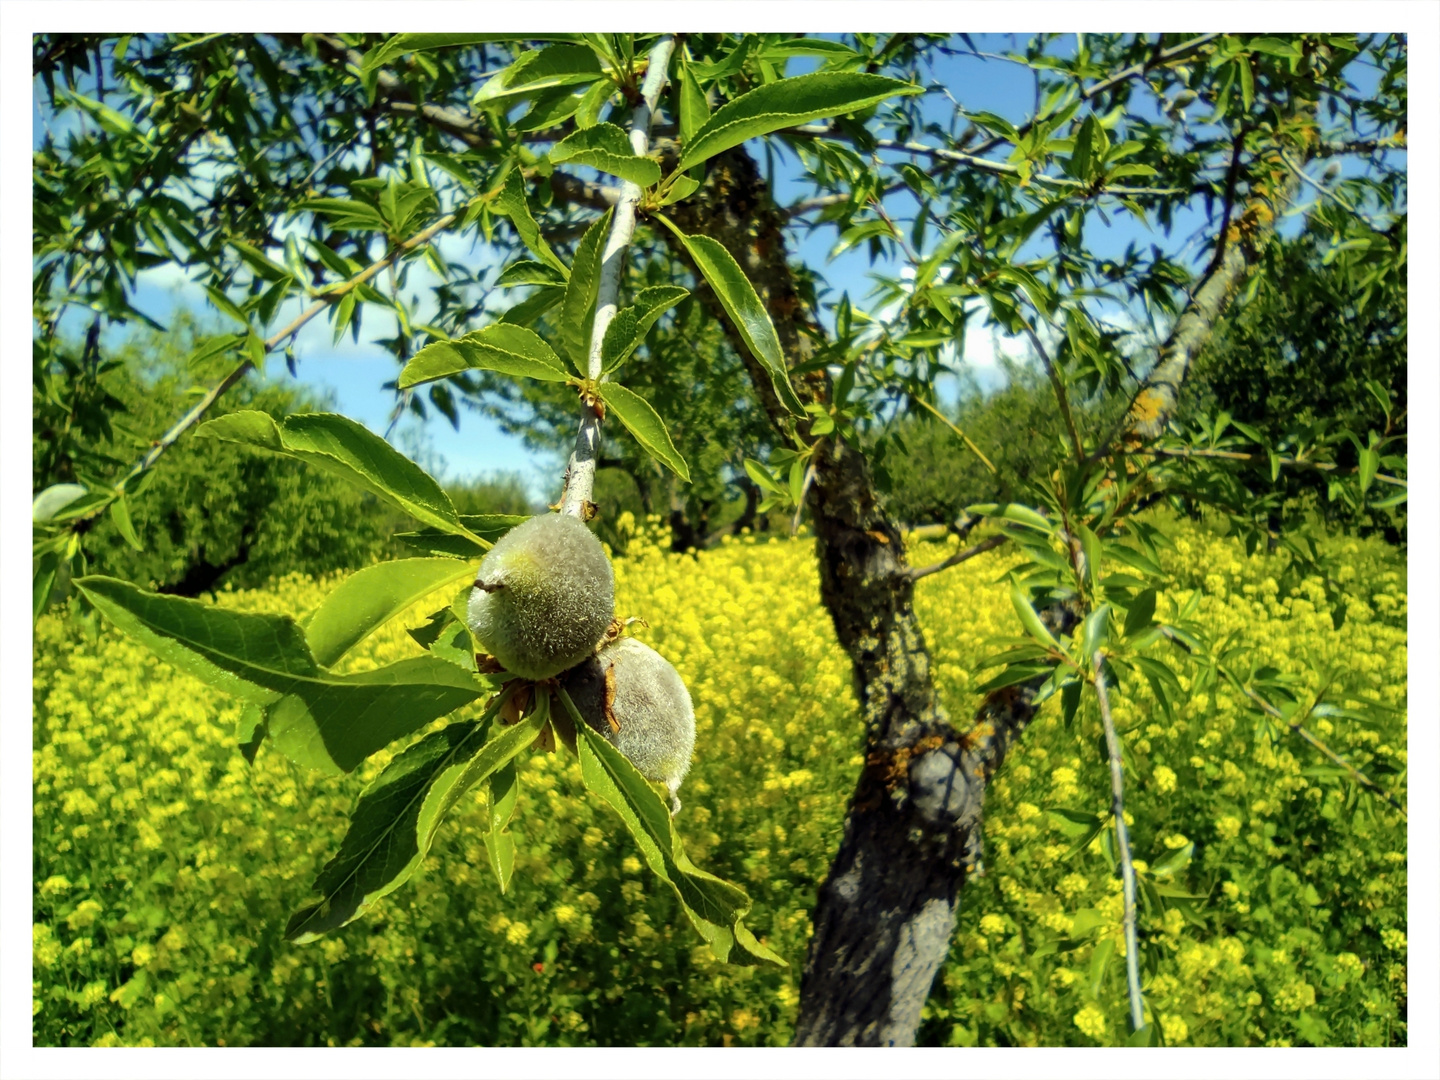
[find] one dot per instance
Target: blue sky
(352, 375)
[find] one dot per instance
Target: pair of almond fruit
(543, 604)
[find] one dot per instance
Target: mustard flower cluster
(166, 866)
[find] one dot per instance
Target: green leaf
(511, 202)
(510, 350)
(341, 446)
(250, 655)
(529, 272)
(578, 313)
(630, 325)
(258, 261)
(482, 528)
(1070, 702)
(1369, 466)
(786, 103)
(1141, 614)
(344, 312)
(587, 112)
(682, 187)
(1014, 675)
(760, 476)
(1082, 160)
(715, 908)
(225, 306)
(396, 819)
(371, 597)
(693, 109)
(746, 312)
(1021, 515)
(533, 306)
(1099, 961)
(120, 514)
(401, 44)
(347, 215)
(1031, 620)
(607, 148)
(47, 567)
(533, 72)
(54, 499)
(316, 718)
(1093, 629)
(1173, 863)
(499, 844)
(1131, 557)
(1274, 46)
(643, 422)
(1073, 823)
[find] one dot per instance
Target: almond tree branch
(580, 473)
(988, 544)
(1236, 455)
(1061, 397)
(1122, 841)
(328, 297)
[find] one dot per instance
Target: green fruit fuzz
(650, 704)
(544, 597)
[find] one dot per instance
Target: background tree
(991, 219)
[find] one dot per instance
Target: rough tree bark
(884, 915)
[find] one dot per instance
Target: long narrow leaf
(737, 296)
(396, 819)
(510, 350)
(785, 103)
(316, 718)
(607, 148)
(371, 597)
(511, 202)
(715, 908)
(642, 421)
(347, 449)
(630, 325)
(578, 311)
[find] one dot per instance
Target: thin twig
(947, 422)
(1122, 841)
(580, 473)
(1059, 388)
(328, 297)
(1123, 75)
(1297, 727)
(1004, 168)
(1236, 455)
(1284, 157)
(988, 544)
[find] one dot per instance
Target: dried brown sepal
(486, 664)
(610, 699)
(545, 741)
(517, 706)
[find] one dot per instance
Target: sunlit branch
(988, 544)
(1122, 842)
(580, 472)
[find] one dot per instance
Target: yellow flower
(1164, 779)
(992, 924)
(1175, 1029)
(1091, 1021)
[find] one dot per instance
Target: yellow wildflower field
(165, 866)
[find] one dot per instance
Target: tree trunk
(884, 916)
